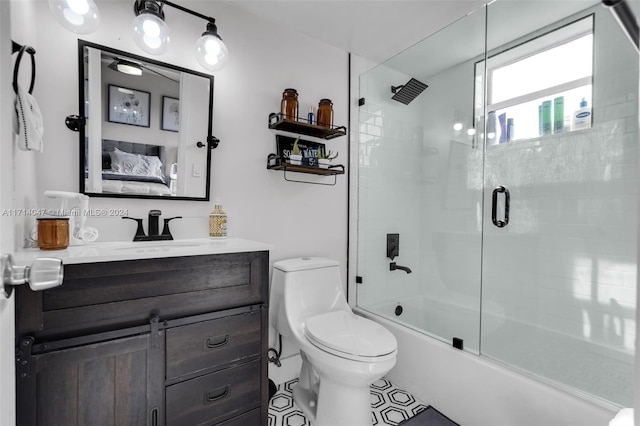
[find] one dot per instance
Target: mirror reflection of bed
(133, 168)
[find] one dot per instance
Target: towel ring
(31, 51)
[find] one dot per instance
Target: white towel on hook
(29, 128)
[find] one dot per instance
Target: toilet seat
(350, 336)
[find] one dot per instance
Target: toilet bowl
(342, 353)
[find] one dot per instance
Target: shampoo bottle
(502, 118)
(218, 222)
(546, 118)
(558, 114)
(582, 117)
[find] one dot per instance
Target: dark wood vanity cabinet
(176, 341)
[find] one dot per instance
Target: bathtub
(475, 390)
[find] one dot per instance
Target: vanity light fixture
(78, 16)
(150, 31)
(152, 34)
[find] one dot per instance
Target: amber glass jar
(53, 233)
(289, 104)
(325, 113)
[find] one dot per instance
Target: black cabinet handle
(216, 342)
(153, 417)
(494, 206)
(216, 395)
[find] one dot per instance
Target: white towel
(29, 127)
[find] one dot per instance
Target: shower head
(408, 92)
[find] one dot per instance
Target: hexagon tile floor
(390, 405)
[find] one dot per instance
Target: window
(535, 87)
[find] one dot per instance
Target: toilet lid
(350, 334)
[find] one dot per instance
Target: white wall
(298, 219)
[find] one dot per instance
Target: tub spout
(393, 267)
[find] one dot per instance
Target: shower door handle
(494, 206)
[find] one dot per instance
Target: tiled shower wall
(567, 261)
(389, 184)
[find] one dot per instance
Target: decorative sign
(308, 149)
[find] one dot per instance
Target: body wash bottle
(582, 117)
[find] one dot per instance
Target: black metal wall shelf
(275, 163)
(278, 122)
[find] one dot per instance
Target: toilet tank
(302, 288)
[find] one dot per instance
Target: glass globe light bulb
(211, 52)
(151, 33)
(78, 16)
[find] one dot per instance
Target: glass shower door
(420, 177)
(560, 197)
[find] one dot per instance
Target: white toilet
(342, 353)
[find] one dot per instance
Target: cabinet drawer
(215, 397)
(251, 418)
(97, 297)
(211, 344)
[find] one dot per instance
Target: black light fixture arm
(189, 11)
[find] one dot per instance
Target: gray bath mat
(429, 417)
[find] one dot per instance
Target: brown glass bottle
(53, 233)
(325, 113)
(289, 104)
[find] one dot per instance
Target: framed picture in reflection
(128, 106)
(170, 114)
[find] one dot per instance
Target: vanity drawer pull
(153, 417)
(216, 395)
(216, 342)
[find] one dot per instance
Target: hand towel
(29, 122)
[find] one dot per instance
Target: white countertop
(128, 250)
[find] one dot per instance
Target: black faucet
(394, 267)
(153, 227)
(153, 222)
